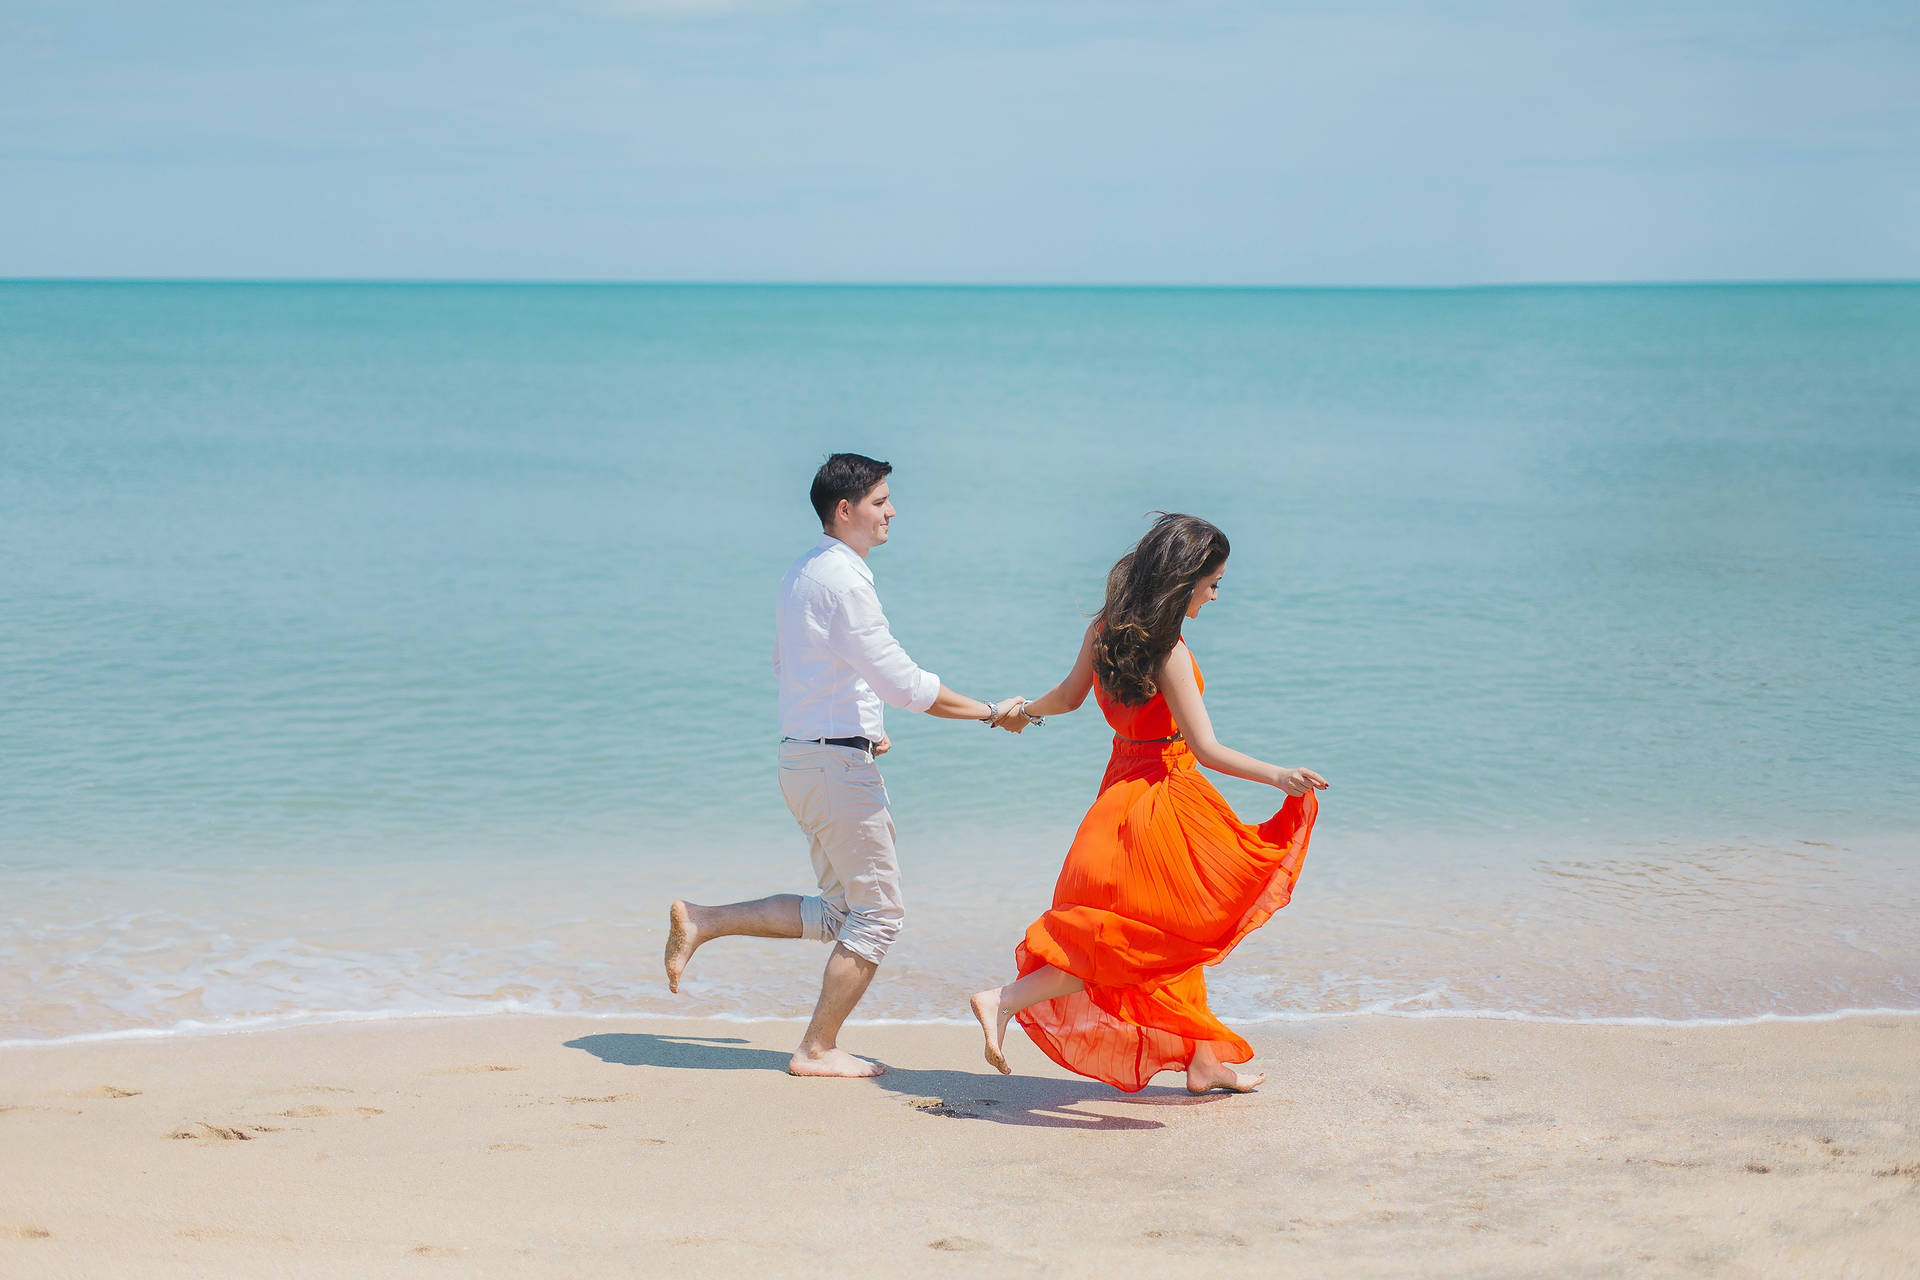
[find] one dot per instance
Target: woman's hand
(881, 747)
(1297, 782)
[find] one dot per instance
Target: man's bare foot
(683, 939)
(993, 1025)
(832, 1062)
(1205, 1079)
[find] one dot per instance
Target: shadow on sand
(958, 1095)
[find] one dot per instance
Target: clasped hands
(1012, 715)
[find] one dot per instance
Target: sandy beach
(570, 1147)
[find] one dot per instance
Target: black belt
(858, 744)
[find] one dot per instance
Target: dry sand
(577, 1147)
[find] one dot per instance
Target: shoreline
(269, 1024)
(569, 1145)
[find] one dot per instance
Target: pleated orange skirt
(1163, 879)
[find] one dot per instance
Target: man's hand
(881, 747)
(1013, 715)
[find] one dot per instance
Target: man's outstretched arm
(860, 635)
(949, 705)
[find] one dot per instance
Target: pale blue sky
(1206, 142)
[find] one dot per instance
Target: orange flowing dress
(1163, 879)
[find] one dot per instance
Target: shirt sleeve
(859, 635)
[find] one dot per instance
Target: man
(837, 662)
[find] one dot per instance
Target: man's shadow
(958, 1095)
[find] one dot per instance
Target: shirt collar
(831, 543)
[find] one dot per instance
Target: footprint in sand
(26, 1233)
(958, 1244)
(433, 1251)
(511, 1146)
(308, 1112)
(1196, 1235)
(111, 1091)
(473, 1069)
(204, 1132)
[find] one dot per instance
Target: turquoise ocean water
(384, 650)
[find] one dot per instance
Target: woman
(1163, 878)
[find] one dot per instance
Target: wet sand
(585, 1147)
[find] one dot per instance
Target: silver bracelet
(1031, 718)
(993, 709)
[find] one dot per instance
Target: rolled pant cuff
(817, 921)
(867, 943)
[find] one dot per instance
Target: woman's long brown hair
(1147, 596)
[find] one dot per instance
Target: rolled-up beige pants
(839, 800)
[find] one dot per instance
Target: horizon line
(982, 286)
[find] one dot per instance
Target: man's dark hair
(844, 475)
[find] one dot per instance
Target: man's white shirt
(834, 656)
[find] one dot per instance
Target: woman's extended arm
(1182, 693)
(1072, 691)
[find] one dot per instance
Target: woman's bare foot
(993, 1025)
(1205, 1078)
(832, 1062)
(683, 939)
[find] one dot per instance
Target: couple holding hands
(1162, 878)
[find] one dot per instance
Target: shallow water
(1666, 933)
(400, 649)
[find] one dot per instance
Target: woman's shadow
(958, 1095)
